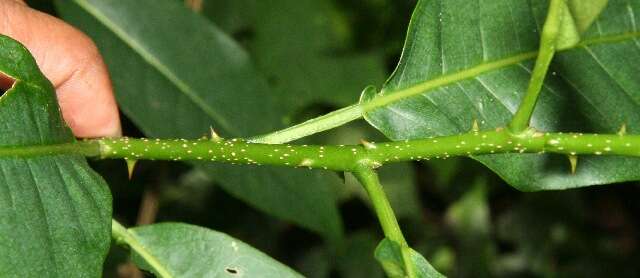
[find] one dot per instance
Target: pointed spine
(131, 164)
(214, 135)
(573, 160)
(367, 145)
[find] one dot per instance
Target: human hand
(72, 62)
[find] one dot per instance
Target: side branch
(369, 180)
(548, 39)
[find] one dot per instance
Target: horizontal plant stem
(343, 157)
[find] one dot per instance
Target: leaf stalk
(548, 39)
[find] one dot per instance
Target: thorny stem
(342, 157)
(547, 49)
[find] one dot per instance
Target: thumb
(73, 64)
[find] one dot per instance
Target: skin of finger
(72, 62)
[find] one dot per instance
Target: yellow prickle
(367, 145)
(214, 136)
(623, 130)
(573, 160)
(131, 164)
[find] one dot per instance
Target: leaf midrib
(156, 63)
(388, 97)
(136, 244)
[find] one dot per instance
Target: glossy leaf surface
(55, 212)
(177, 75)
(592, 87)
(190, 251)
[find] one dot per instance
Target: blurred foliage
(464, 219)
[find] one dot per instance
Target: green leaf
(311, 58)
(390, 255)
(577, 16)
(298, 45)
(175, 75)
(568, 35)
(183, 250)
(472, 60)
(55, 212)
(585, 12)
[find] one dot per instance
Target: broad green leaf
(298, 46)
(390, 255)
(55, 212)
(449, 59)
(175, 75)
(310, 57)
(190, 251)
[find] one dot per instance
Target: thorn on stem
(306, 163)
(367, 145)
(623, 130)
(131, 164)
(573, 160)
(474, 126)
(214, 136)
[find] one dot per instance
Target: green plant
(56, 210)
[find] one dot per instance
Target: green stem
(315, 125)
(123, 236)
(369, 179)
(547, 49)
(343, 157)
